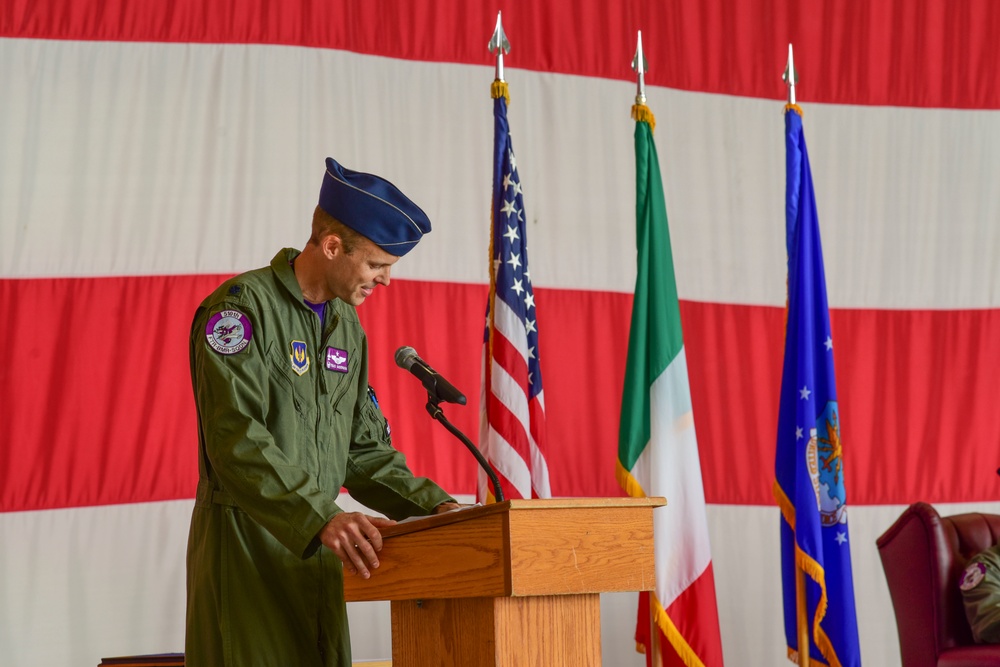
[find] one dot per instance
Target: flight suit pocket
(289, 384)
(375, 424)
(340, 388)
(291, 412)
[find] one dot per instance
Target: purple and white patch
(336, 360)
(973, 575)
(229, 332)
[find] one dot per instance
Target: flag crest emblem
(832, 497)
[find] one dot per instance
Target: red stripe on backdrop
(97, 409)
(934, 53)
(96, 392)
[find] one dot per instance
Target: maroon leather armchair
(924, 555)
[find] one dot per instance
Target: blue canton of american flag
(513, 420)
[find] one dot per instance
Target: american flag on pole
(512, 421)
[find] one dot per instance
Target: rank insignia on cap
(972, 576)
(228, 331)
(336, 360)
(300, 360)
(373, 207)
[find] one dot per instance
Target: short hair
(324, 224)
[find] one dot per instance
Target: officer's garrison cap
(373, 207)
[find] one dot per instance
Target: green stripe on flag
(655, 338)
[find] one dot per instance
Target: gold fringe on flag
(794, 107)
(805, 563)
(498, 90)
(629, 483)
(642, 114)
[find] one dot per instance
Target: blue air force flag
(809, 468)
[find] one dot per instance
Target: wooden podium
(515, 583)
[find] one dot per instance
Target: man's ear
(331, 245)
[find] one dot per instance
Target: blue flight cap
(373, 207)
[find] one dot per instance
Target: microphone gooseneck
(439, 389)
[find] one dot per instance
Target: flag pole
(499, 45)
(791, 77)
(641, 113)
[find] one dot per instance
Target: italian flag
(657, 448)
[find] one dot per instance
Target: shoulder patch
(972, 576)
(229, 331)
(235, 290)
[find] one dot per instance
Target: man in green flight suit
(286, 417)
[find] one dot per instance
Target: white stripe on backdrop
(99, 581)
(135, 175)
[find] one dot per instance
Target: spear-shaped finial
(499, 45)
(640, 112)
(790, 77)
(639, 67)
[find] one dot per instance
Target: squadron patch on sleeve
(972, 576)
(228, 331)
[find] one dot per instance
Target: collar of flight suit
(282, 267)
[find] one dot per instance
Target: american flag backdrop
(512, 431)
(149, 150)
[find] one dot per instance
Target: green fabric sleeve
(232, 401)
(982, 601)
(377, 474)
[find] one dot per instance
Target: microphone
(436, 386)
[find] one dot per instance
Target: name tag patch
(336, 360)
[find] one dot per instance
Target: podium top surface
(514, 505)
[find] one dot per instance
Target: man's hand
(354, 537)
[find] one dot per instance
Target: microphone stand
(435, 411)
